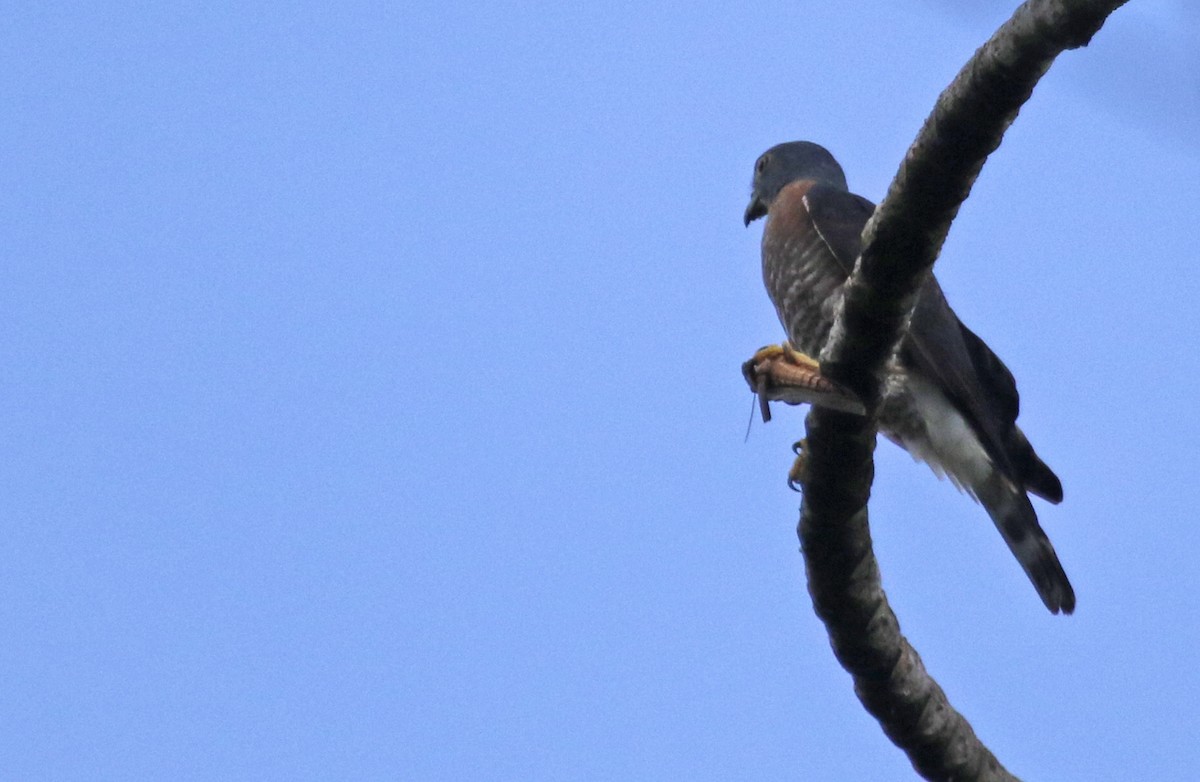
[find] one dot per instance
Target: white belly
(934, 432)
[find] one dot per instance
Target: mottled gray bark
(901, 242)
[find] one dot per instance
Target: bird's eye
(761, 165)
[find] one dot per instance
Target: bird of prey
(946, 398)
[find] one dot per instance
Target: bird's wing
(839, 218)
(980, 385)
(936, 345)
(944, 350)
(1034, 473)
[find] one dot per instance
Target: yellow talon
(782, 373)
(796, 473)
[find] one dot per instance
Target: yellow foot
(782, 373)
(796, 474)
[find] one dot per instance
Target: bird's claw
(796, 473)
(782, 373)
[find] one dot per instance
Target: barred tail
(1014, 516)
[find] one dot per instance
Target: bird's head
(786, 163)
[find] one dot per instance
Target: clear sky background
(371, 404)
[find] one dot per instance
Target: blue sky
(372, 404)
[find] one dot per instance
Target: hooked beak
(755, 210)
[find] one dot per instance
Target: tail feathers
(1014, 516)
(1032, 471)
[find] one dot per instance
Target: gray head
(783, 164)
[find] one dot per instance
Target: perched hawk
(946, 398)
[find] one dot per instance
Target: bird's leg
(782, 373)
(796, 474)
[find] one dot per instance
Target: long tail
(1014, 516)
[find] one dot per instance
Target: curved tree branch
(900, 244)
